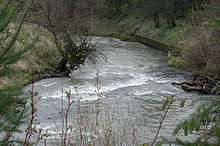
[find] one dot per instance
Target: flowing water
(132, 85)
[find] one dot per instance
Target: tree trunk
(171, 22)
(156, 19)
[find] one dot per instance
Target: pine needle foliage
(204, 124)
(12, 104)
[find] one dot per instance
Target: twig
(66, 116)
(161, 121)
(33, 115)
(79, 118)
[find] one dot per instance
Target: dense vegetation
(175, 22)
(188, 25)
(191, 26)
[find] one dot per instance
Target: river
(132, 85)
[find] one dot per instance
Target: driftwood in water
(200, 83)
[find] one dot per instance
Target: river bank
(131, 90)
(134, 82)
(193, 44)
(37, 67)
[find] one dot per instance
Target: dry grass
(201, 53)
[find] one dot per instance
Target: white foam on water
(139, 93)
(167, 92)
(162, 81)
(92, 89)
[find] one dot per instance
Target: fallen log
(201, 84)
(196, 89)
(203, 78)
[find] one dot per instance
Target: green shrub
(217, 22)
